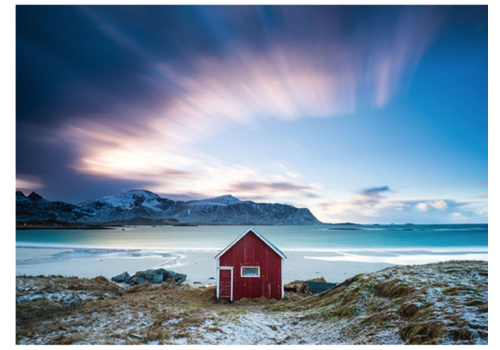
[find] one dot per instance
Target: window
(250, 271)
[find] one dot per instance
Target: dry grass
(421, 311)
(432, 304)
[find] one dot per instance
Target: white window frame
(250, 267)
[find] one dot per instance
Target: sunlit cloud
(28, 183)
(437, 204)
(399, 54)
(369, 204)
(286, 73)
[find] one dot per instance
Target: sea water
(90, 253)
(309, 238)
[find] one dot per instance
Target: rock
(123, 277)
(34, 196)
(137, 280)
(180, 277)
(126, 287)
(156, 277)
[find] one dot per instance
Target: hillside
(445, 303)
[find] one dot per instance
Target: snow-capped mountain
(127, 205)
(143, 204)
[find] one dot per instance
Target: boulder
(123, 277)
(156, 277)
(136, 280)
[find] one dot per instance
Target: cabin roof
(317, 287)
(262, 238)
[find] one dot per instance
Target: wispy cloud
(269, 188)
(138, 110)
(374, 203)
(284, 78)
(28, 183)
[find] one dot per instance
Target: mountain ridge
(143, 204)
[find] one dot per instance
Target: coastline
(200, 265)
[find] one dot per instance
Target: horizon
(364, 114)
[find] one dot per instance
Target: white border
(232, 281)
(282, 279)
(250, 267)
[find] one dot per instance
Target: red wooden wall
(252, 251)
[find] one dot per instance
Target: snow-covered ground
(444, 303)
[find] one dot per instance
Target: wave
(95, 253)
(402, 258)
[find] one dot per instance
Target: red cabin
(250, 267)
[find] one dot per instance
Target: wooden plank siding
(252, 251)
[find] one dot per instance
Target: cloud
(422, 206)
(371, 196)
(458, 216)
(276, 186)
(481, 196)
(28, 183)
(233, 65)
(440, 204)
(142, 89)
(481, 183)
(375, 191)
(370, 204)
(252, 189)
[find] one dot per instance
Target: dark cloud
(374, 191)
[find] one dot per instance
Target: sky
(369, 114)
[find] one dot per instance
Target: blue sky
(360, 113)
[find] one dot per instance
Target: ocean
(314, 238)
(330, 250)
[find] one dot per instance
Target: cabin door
(225, 284)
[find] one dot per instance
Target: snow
(221, 201)
(127, 199)
(237, 324)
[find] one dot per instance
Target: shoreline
(200, 265)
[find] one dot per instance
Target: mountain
(34, 207)
(127, 205)
(143, 204)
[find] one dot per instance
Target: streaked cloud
(247, 189)
(284, 78)
(145, 88)
(370, 204)
(28, 183)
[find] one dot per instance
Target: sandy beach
(200, 266)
